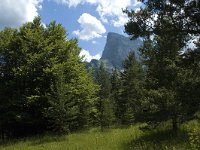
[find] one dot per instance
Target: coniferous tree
(104, 104)
(161, 58)
(166, 34)
(132, 88)
(116, 90)
(59, 113)
(189, 88)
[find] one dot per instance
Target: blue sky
(87, 20)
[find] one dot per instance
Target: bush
(194, 135)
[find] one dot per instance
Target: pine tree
(165, 37)
(116, 90)
(132, 88)
(104, 104)
(60, 112)
(79, 87)
(161, 58)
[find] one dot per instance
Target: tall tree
(104, 103)
(116, 90)
(132, 88)
(22, 74)
(7, 101)
(171, 24)
(29, 62)
(72, 97)
(161, 59)
(59, 112)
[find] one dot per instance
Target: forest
(45, 86)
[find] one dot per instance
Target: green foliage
(44, 85)
(40, 71)
(162, 99)
(168, 77)
(104, 103)
(132, 87)
(193, 133)
(194, 138)
(190, 80)
(164, 17)
(116, 90)
(24, 81)
(158, 106)
(60, 111)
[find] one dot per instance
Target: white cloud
(87, 56)
(70, 3)
(91, 27)
(120, 21)
(108, 10)
(13, 13)
(112, 10)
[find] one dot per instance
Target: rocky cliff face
(116, 50)
(118, 47)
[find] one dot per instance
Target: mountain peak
(116, 50)
(118, 47)
(114, 35)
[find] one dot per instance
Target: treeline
(45, 86)
(119, 92)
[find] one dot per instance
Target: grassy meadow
(131, 138)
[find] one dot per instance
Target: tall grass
(114, 139)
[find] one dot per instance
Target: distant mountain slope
(116, 50)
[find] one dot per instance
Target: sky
(87, 20)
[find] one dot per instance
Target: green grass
(91, 140)
(114, 139)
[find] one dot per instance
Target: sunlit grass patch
(131, 138)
